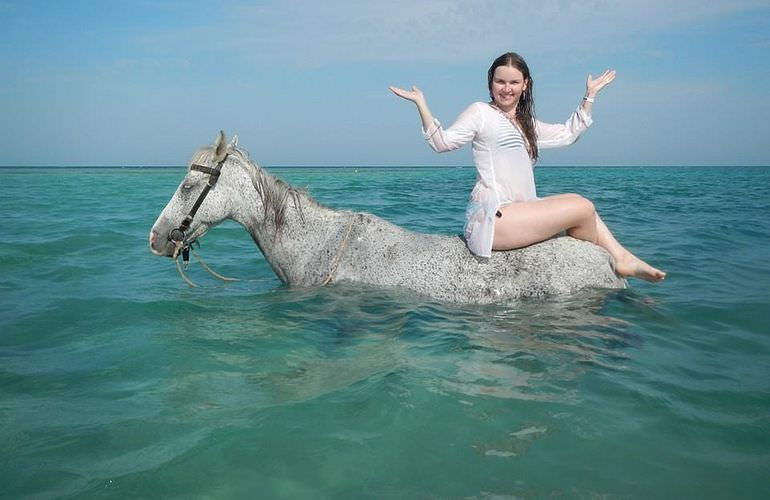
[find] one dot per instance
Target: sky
(305, 83)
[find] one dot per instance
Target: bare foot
(632, 266)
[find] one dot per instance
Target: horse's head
(202, 200)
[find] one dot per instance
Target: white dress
(504, 169)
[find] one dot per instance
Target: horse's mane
(274, 192)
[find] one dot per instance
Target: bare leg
(626, 263)
(530, 222)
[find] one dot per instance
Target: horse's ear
(220, 147)
(234, 142)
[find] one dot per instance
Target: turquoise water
(119, 381)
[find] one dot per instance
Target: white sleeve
(462, 131)
(555, 135)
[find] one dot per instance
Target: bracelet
(589, 99)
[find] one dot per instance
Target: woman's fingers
(607, 76)
(602, 80)
(411, 95)
(406, 94)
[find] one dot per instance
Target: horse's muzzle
(159, 245)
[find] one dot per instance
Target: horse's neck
(304, 233)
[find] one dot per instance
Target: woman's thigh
(529, 222)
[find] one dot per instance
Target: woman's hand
(593, 86)
(415, 95)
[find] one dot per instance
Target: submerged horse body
(307, 244)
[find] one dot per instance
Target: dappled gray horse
(308, 244)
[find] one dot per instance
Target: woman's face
(508, 83)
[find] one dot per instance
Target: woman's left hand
(593, 86)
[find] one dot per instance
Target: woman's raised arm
(418, 98)
(462, 130)
(593, 86)
(554, 135)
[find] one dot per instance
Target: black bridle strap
(213, 178)
(206, 170)
(188, 220)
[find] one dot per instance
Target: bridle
(177, 236)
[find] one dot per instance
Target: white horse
(309, 245)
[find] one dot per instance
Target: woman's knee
(585, 206)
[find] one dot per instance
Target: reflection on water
(295, 345)
(532, 350)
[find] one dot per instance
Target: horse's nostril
(153, 240)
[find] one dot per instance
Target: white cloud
(439, 30)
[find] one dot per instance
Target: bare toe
(633, 267)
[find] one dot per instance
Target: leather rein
(178, 235)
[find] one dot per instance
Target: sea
(118, 380)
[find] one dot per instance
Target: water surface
(117, 380)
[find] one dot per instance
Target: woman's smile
(508, 83)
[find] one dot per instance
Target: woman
(504, 211)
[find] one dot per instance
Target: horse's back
(442, 266)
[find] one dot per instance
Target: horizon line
(381, 166)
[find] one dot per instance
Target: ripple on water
(118, 380)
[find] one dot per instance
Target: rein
(337, 256)
(178, 235)
(186, 258)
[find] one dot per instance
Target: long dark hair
(525, 110)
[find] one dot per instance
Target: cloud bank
(435, 31)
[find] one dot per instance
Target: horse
(310, 245)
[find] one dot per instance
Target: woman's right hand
(415, 95)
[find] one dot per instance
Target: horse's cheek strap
(198, 202)
(213, 178)
(184, 226)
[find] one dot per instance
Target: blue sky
(305, 83)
